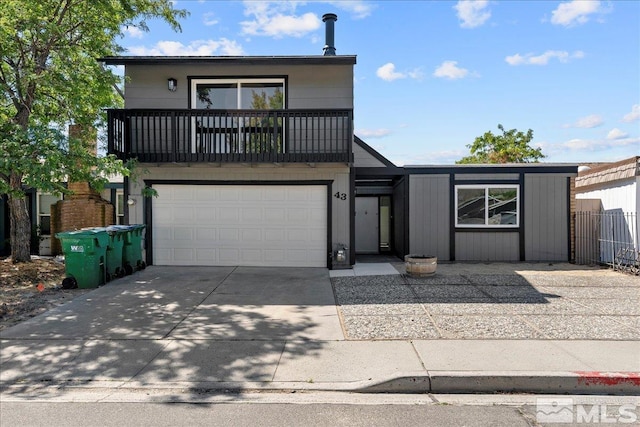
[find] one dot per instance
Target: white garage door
(250, 225)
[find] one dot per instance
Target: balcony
(222, 136)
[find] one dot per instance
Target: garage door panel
(267, 225)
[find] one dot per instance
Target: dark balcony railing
(158, 136)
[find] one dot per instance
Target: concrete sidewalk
(197, 329)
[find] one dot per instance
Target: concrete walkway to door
(189, 329)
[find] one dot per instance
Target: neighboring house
(255, 163)
(608, 202)
(39, 209)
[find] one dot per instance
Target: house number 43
(341, 196)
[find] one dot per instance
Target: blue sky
(431, 76)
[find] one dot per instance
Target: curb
(534, 382)
(437, 382)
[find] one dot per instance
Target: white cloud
(277, 20)
(195, 48)
(133, 32)
(633, 116)
(588, 122)
(450, 70)
(444, 157)
(574, 12)
(531, 59)
(209, 19)
(358, 9)
(372, 133)
(388, 72)
(472, 13)
(616, 133)
(591, 144)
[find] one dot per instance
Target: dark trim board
(569, 217)
(521, 237)
(230, 60)
(148, 205)
(487, 181)
(452, 219)
(491, 169)
(352, 216)
(487, 229)
(239, 77)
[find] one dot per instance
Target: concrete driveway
(168, 324)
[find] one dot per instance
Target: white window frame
(486, 188)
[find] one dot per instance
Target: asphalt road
(330, 409)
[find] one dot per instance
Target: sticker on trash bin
(75, 248)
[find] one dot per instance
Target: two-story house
(250, 157)
(255, 163)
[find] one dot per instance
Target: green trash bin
(132, 249)
(85, 253)
(115, 266)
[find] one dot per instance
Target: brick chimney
(84, 208)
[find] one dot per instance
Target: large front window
(246, 132)
(487, 206)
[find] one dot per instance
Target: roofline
(604, 167)
(562, 168)
(245, 60)
(529, 168)
(369, 149)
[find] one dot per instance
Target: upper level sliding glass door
(230, 131)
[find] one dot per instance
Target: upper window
(231, 94)
(487, 206)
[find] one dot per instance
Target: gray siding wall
(298, 173)
(362, 159)
(545, 218)
(309, 86)
(429, 216)
(487, 246)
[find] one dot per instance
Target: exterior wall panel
(546, 218)
(306, 86)
(429, 216)
(615, 195)
(487, 246)
(363, 159)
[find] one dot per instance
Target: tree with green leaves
(512, 146)
(50, 78)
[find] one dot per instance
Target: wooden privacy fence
(608, 238)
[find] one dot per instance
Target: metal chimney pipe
(329, 19)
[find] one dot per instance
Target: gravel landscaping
(467, 301)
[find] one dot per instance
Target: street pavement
(531, 328)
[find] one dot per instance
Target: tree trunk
(20, 224)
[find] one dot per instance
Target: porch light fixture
(173, 84)
(131, 202)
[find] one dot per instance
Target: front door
(367, 225)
